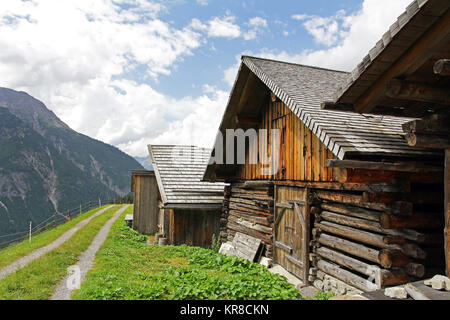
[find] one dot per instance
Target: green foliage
(127, 268)
(215, 243)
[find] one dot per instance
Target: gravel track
(86, 259)
(22, 262)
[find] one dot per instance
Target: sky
(138, 72)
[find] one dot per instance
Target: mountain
(46, 167)
(146, 162)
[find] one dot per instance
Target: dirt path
(86, 259)
(22, 262)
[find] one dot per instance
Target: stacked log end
(372, 241)
(249, 209)
(224, 215)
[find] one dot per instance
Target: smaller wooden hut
(189, 210)
(145, 189)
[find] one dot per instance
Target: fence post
(29, 237)
(99, 202)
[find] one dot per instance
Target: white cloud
(224, 27)
(325, 30)
(72, 55)
(202, 2)
(229, 75)
(257, 22)
(357, 33)
(256, 26)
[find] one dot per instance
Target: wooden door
(292, 230)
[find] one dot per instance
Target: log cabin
(189, 209)
(408, 74)
(342, 196)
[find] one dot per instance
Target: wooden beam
(390, 221)
(428, 141)
(440, 125)
(408, 90)
(413, 59)
(383, 166)
(442, 67)
(447, 211)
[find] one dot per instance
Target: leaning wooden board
(246, 247)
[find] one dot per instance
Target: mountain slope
(45, 166)
(146, 162)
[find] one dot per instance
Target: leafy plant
(127, 268)
(215, 243)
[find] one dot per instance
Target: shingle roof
(303, 89)
(179, 171)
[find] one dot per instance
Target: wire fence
(55, 219)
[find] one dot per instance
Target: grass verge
(126, 268)
(39, 279)
(11, 254)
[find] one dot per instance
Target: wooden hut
(408, 74)
(145, 189)
(189, 209)
(349, 200)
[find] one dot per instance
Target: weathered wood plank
(447, 211)
(346, 276)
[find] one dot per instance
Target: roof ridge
(294, 64)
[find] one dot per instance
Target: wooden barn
(146, 201)
(408, 74)
(189, 210)
(349, 199)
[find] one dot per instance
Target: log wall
(372, 241)
(249, 210)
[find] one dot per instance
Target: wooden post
(447, 211)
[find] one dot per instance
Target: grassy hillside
(128, 268)
(39, 279)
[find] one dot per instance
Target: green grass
(11, 254)
(39, 279)
(126, 268)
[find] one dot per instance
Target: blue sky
(138, 72)
(219, 54)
